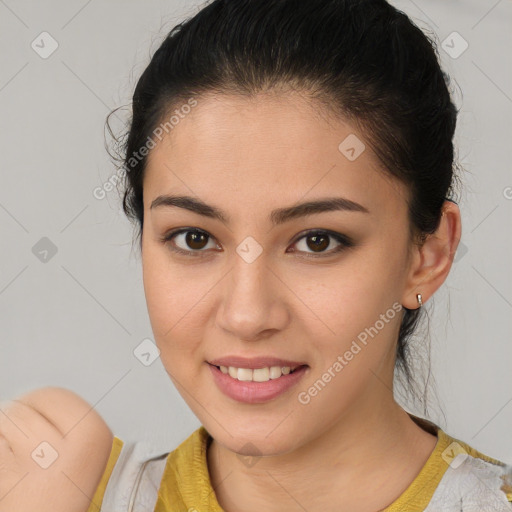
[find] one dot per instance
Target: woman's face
(263, 283)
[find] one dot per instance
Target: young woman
(290, 169)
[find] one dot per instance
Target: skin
(352, 447)
(62, 474)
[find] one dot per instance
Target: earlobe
(433, 260)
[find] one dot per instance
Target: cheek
(173, 296)
(164, 291)
(351, 308)
(342, 296)
(341, 316)
(351, 337)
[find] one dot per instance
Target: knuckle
(51, 445)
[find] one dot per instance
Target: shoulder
(145, 477)
(54, 447)
(471, 479)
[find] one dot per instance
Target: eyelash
(345, 242)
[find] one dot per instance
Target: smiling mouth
(258, 374)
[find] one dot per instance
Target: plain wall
(74, 320)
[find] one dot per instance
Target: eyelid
(345, 241)
(166, 239)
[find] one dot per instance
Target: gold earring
(420, 302)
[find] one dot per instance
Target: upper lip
(254, 362)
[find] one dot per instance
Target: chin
(255, 442)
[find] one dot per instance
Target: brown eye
(318, 241)
(196, 240)
(190, 242)
(193, 242)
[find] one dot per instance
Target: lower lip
(255, 392)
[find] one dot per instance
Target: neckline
(419, 492)
(191, 459)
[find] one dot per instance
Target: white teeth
(256, 375)
(244, 374)
(275, 372)
(260, 374)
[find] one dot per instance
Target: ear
(431, 263)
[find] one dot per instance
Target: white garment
(135, 480)
(471, 486)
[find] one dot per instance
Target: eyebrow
(278, 216)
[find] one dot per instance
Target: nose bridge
(249, 280)
(250, 267)
(250, 298)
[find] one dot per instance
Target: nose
(253, 303)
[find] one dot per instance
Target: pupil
(320, 241)
(194, 238)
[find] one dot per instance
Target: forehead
(267, 151)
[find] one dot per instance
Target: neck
(354, 465)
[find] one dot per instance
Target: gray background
(74, 320)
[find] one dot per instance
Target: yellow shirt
(186, 484)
